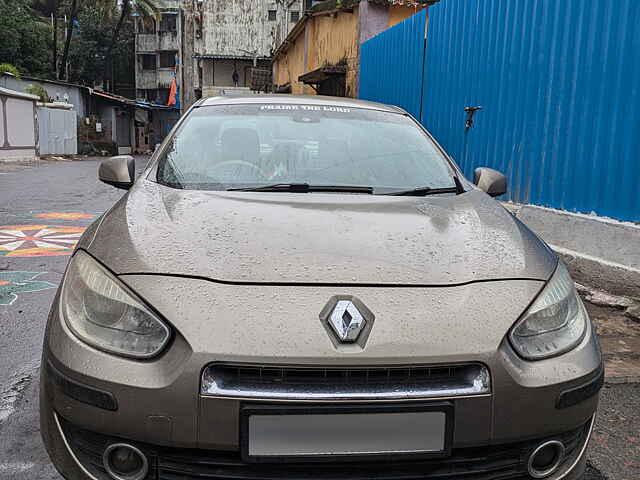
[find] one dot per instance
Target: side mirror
(118, 171)
(490, 181)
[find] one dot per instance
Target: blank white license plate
(335, 434)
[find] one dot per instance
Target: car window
(233, 146)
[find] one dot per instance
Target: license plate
(290, 434)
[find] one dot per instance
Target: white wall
(58, 131)
(17, 128)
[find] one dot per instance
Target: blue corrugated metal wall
(559, 82)
(391, 65)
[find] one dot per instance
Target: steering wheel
(227, 163)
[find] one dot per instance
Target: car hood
(330, 239)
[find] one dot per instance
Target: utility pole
(54, 44)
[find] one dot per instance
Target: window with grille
(169, 23)
(272, 15)
(148, 62)
(295, 16)
(168, 59)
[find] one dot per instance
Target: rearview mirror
(118, 171)
(490, 181)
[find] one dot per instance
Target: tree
(8, 68)
(144, 7)
(49, 8)
(90, 43)
(25, 37)
(73, 17)
(38, 91)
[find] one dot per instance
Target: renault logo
(347, 321)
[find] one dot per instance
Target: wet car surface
(298, 285)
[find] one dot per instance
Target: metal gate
(58, 131)
(559, 85)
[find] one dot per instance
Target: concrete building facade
(158, 51)
(220, 37)
(223, 41)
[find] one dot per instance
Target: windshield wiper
(304, 188)
(424, 191)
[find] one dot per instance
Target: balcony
(164, 77)
(151, 42)
(146, 42)
(147, 79)
(167, 41)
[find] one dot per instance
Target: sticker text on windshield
(307, 108)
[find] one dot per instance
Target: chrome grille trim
(319, 384)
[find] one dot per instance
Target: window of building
(148, 62)
(295, 16)
(168, 59)
(169, 23)
(272, 15)
(146, 25)
(163, 96)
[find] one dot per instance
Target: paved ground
(47, 206)
(620, 340)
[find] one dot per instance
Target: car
(309, 287)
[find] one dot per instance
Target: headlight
(555, 323)
(102, 312)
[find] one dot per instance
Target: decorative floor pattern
(38, 240)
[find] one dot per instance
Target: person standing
(235, 77)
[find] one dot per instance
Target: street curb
(621, 380)
(599, 252)
(621, 369)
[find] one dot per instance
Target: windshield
(237, 146)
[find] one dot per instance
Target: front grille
(376, 383)
(496, 462)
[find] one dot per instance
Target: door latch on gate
(470, 111)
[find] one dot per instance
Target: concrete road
(44, 209)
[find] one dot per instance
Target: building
(223, 37)
(285, 14)
(321, 54)
(102, 122)
(158, 45)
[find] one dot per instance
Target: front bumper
(159, 406)
(504, 462)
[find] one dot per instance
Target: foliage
(8, 68)
(144, 7)
(90, 43)
(25, 38)
(104, 41)
(101, 43)
(38, 91)
(45, 7)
